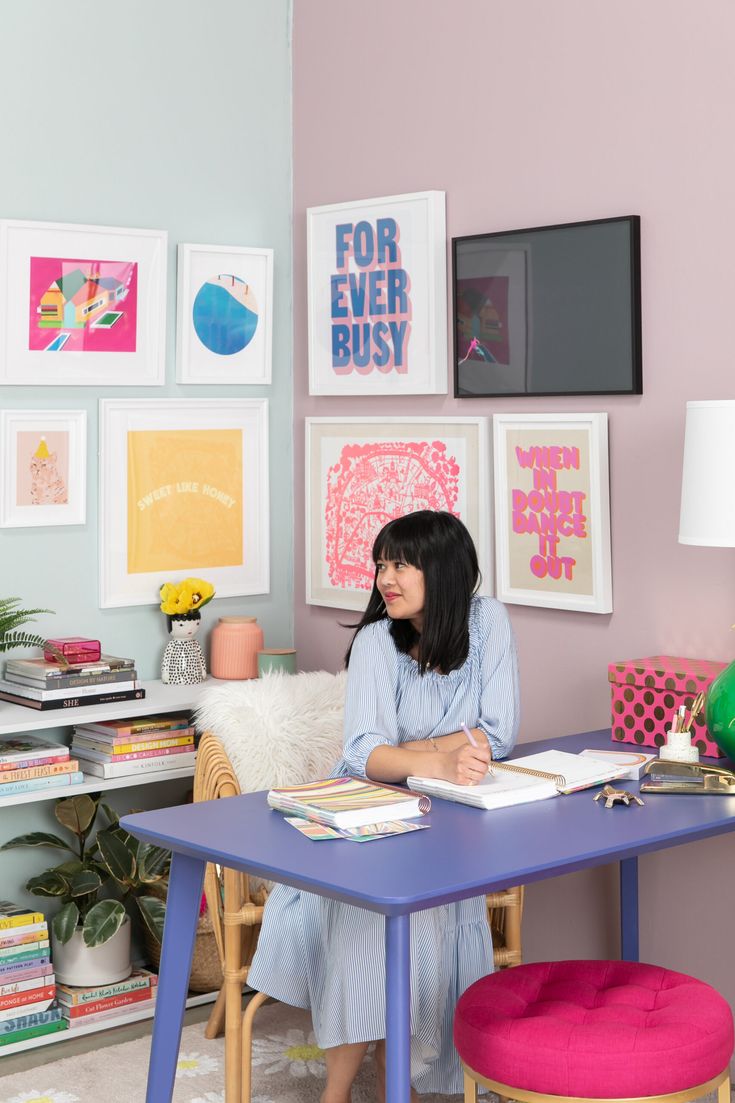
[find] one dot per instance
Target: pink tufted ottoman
(594, 1030)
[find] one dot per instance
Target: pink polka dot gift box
(647, 692)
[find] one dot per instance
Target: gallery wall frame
(81, 305)
(224, 314)
(43, 468)
(363, 472)
(552, 511)
(377, 296)
(183, 488)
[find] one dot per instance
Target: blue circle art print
(225, 314)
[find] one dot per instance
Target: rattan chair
(236, 907)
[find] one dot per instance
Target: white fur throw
(281, 729)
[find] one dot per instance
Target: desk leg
(182, 913)
(629, 909)
(398, 1009)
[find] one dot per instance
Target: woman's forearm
(397, 763)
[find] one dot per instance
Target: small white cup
(678, 747)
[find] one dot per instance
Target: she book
(347, 802)
(72, 700)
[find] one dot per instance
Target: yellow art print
(185, 506)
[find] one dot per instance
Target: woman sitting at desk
(427, 657)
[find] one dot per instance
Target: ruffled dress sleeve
(371, 718)
(499, 695)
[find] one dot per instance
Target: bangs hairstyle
(439, 545)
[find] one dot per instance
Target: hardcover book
(139, 765)
(36, 693)
(13, 915)
(55, 781)
(89, 755)
(116, 728)
(26, 1033)
(34, 1018)
(16, 747)
(53, 769)
(347, 802)
(73, 995)
(71, 681)
(73, 701)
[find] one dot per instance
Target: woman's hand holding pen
(467, 764)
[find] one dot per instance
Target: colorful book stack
(117, 748)
(39, 684)
(27, 987)
(81, 1006)
(29, 762)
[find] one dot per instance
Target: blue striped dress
(328, 956)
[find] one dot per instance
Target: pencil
(469, 735)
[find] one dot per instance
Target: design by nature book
(348, 802)
(522, 780)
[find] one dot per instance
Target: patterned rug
(287, 1068)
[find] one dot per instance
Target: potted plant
(12, 618)
(105, 878)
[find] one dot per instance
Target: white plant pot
(78, 964)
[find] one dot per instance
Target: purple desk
(466, 853)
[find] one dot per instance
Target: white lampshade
(708, 479)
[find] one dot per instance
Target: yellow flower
(183, 598)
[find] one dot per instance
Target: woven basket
(206, 971)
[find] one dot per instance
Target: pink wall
(525, 114)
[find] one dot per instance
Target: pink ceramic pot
(236, 642)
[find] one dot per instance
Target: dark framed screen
(548, 310)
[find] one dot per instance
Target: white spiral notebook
(522, 780)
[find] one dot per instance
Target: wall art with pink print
(363, 472)
(43, 467)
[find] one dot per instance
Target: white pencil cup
(678, 747)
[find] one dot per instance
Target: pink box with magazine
(647, 692)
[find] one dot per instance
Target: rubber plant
(12, 619)
(106, 877)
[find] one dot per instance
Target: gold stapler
(667, 776)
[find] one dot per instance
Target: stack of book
(39, 684)
(117, 748)
(27, 984)
(29, 762)
(81, 1006)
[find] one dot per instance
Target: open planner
(533, 777)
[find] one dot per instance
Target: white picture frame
(183, 491)
(224, 330)
(43, 468)
(81, 306)
(377, 296)
(552, 511)
(419, 463)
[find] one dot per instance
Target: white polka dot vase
(183, 659)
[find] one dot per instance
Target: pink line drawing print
(47, 487)
(371, 484)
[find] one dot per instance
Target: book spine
(28, 1008)
(54, 769)
(15, 970)
(34, 933)
(136, 728)
(71, 681)
(141, 766)
(26, 985)
(74, 702)
(135, 747)
(110, 1003)
(36, 1018)
(20, 919)
(32, 995)
(14, 787)
(30, 763)
(26, 1033)
(12, 954)
(76, 997)
(108, 740)
(105, 757)
(34, 694)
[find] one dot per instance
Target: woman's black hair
(441, 547)
(193, 614)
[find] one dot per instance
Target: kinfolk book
(348, 802)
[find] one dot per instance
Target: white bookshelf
(125, 1017)
(159, 699)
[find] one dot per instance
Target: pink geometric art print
(372, 484)
(82, 305)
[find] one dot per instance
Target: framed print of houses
(81, 305)
(183, 491)
(225, 314)
(552, 511)
(378, 296)
(43, 467)
(363, 472)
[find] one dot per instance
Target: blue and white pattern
(330, 957)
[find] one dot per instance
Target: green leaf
(111, 814)
(37, 838)
(65, 922)
(153, 912)
(76, 813)
(153, 863)
(117, 857)
(68, 869)
(49, 883)
(102, 922)
(84, 882)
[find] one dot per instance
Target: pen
(469, 735)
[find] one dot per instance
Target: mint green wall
(173, 115)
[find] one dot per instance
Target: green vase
(720, 710)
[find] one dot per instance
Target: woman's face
(401, 587)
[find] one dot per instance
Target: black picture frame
(548, 310)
